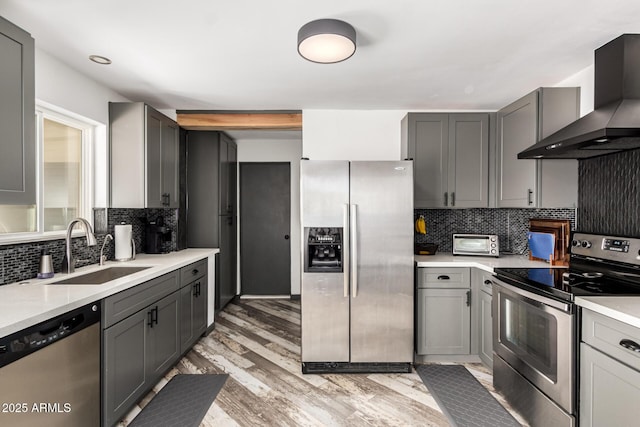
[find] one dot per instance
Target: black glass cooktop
(566, 284)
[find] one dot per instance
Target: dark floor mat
(462, 398)
(183, 402)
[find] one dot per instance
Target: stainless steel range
(535, 324)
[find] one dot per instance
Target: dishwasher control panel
(33, 338)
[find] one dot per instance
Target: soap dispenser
(45, 270)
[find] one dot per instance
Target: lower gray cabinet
(486, 330)
(444, 321)
(193, 317)
(193, 303)
(125, 371)
(609, 390)
(163, 344)
(609, 372)
(443, 318)
(146, 329)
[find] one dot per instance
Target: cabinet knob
(286, 237)
(487, 282)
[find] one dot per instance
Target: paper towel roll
(123, 242)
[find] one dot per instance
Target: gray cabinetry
(211, 210)
(485, 320)
(534, 183)
(144, 157)
(17, 116)
(163, 347)
(443, 320)
(193, 304)
(451, 158)
(228, 172)
(609, 372)
(124, 346)
(143, 335)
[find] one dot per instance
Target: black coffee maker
(155, 235)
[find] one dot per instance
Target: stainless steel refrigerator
(357, 275)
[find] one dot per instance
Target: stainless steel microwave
(476, 244)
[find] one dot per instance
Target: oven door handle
(535, 299)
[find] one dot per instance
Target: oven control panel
(612, 248)
(616, 245)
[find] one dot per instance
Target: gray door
(381, 261)
(265, 227)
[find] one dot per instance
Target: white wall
(279, 151)
(59, 86)
(584, 79)
(351, 134)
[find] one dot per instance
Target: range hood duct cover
(614, 125)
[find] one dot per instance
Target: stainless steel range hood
(614, 125)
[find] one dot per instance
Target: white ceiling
(241, 54)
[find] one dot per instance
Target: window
(65, 179)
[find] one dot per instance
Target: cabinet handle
(166, 199)
(196, 289)
(529, 196)
(630, 345)
(446, 198)
(487, 282)
(443, 277)
(154, 316)
(199, 289)
(453, 198)
(150, 318)
(468, 298)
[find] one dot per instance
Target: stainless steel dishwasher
(50, 372)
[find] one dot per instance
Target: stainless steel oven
(535, 324)
(535, 345)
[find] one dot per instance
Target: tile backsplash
(609, 194)
(20, 261)
(511, 225)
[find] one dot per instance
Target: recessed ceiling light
(100, 59)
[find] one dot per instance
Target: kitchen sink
(99, 277)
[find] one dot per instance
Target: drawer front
(429, 277)
(193, 272)
(123, 304)
(608, 335)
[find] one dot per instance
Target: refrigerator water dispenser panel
(323, 250)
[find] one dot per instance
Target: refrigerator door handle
(354, 249)
(345, 251)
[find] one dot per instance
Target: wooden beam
(240, 121)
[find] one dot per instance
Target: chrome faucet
(69, 267)
(103, 257)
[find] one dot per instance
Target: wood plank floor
(257, 342)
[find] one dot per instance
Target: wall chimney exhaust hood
(614, 125)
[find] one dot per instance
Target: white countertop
(29, 302)
(481, 262)
(625, 309)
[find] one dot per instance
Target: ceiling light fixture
(326, 41)
(100, 59)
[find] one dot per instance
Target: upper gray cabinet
(535, 183)
(144, 157)
(451, 158)
(17, 116)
